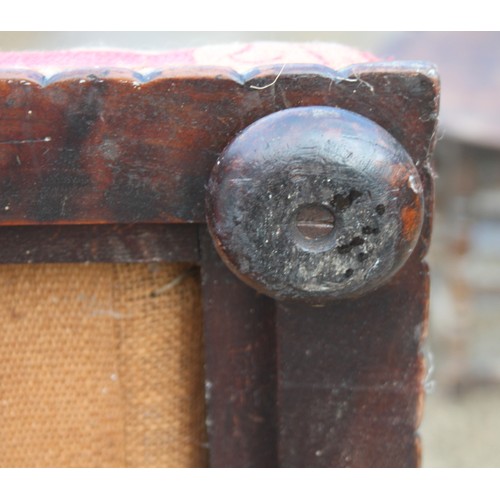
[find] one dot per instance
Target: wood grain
(113, 146)
(100, 243)
(350, 377)
(240, 367)
(350, 374)
(84, 153)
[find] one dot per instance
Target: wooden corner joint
(327, 209)
(320, 193)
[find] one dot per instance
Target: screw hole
(341, 202)
(356, 241)
(370, 230)
(362, 256)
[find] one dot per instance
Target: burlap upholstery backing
(101, 365)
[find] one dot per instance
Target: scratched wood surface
(240, 367)
(350, 378)
(350, 373)
(100, 243)
(307, 163)
(287, 385)
(118, 147)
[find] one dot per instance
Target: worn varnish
(316, 204)
(119, 147)
(101, 165)
(240, 367)
(349, 373)
(350, 377)
(100, 243)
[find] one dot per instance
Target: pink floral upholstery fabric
(241, 57)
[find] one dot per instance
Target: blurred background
(461, 425)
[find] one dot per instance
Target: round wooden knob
(314, 203)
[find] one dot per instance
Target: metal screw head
(314, 222)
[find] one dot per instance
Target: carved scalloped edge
(258, 79)
(362, 79)
(350, 73)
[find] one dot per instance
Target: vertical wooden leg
(350, 377)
